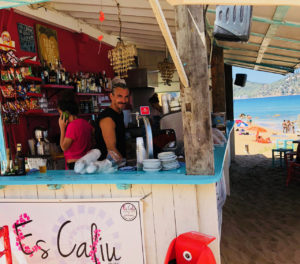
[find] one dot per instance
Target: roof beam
(136, 26)
(278, 67)
(271, 32)
(109, 10)
(234, 2)
(123, 3)
(161, 20)
(65, 21)
(114, 17)
(110, 29)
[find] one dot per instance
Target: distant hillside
(287, 86)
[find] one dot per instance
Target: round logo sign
(128, 211)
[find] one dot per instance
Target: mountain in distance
(286, 86)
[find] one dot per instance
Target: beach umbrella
(242, 124)
(238, 121)
(258, 129)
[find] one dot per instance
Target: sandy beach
(261, 218)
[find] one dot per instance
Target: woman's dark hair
(67, 102)
(154, 99)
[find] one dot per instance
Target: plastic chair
(293, 165)
(7, 251)
(282, 147)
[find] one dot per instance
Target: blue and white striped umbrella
(242, 124)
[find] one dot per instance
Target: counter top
(178, 176)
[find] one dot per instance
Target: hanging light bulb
(122, 56)
(166, 69)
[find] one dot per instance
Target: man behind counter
(110, 131)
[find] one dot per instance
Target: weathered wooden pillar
(229, 92)
(218, 80)
(195, 99)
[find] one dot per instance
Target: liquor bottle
(62, 73)
(105, 84)
(19, 161)
(52, 75)
(58, 73)
(83, 82)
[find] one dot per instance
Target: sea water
(269, 111)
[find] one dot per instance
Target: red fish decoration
(190, 248)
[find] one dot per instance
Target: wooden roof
(274, 43)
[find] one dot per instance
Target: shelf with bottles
(56, 86)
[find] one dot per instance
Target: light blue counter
(55, 177)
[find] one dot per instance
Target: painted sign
(26, 37)
(106, 231)
(47, 44)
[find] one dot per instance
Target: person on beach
(283, 127)
(75, 133)
(293, 127)
(288, 126)
(249, 118)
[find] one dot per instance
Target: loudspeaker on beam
(232, 23)
(240, 79)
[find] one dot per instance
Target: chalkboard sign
(26, 36)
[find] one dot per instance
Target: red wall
(75, 55)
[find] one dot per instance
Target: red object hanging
(101, 17)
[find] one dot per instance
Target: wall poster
(47, 44)
(106, 231)
(26, 37)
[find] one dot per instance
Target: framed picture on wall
(47, 44)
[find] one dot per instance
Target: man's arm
(108, 127)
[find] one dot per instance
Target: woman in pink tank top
(76, 134)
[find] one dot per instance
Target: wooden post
(218, 80)
(229, 92)
(195, 98)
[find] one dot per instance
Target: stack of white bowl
(168, 160)
(151, 165)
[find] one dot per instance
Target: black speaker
(232, 23)
(240, 79)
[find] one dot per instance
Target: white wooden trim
(186, 209)
(149, 236)
(83, 192)
(208, 215)
(161, 20)
(65, 192)
(164, 219)
(234, 2)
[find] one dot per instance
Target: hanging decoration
(122, 56)
(166, 69)
(101, 18)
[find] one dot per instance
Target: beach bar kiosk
(128, 217)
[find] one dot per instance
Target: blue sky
(257, 76)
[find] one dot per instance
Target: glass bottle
(52, 75)
(19, 161)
